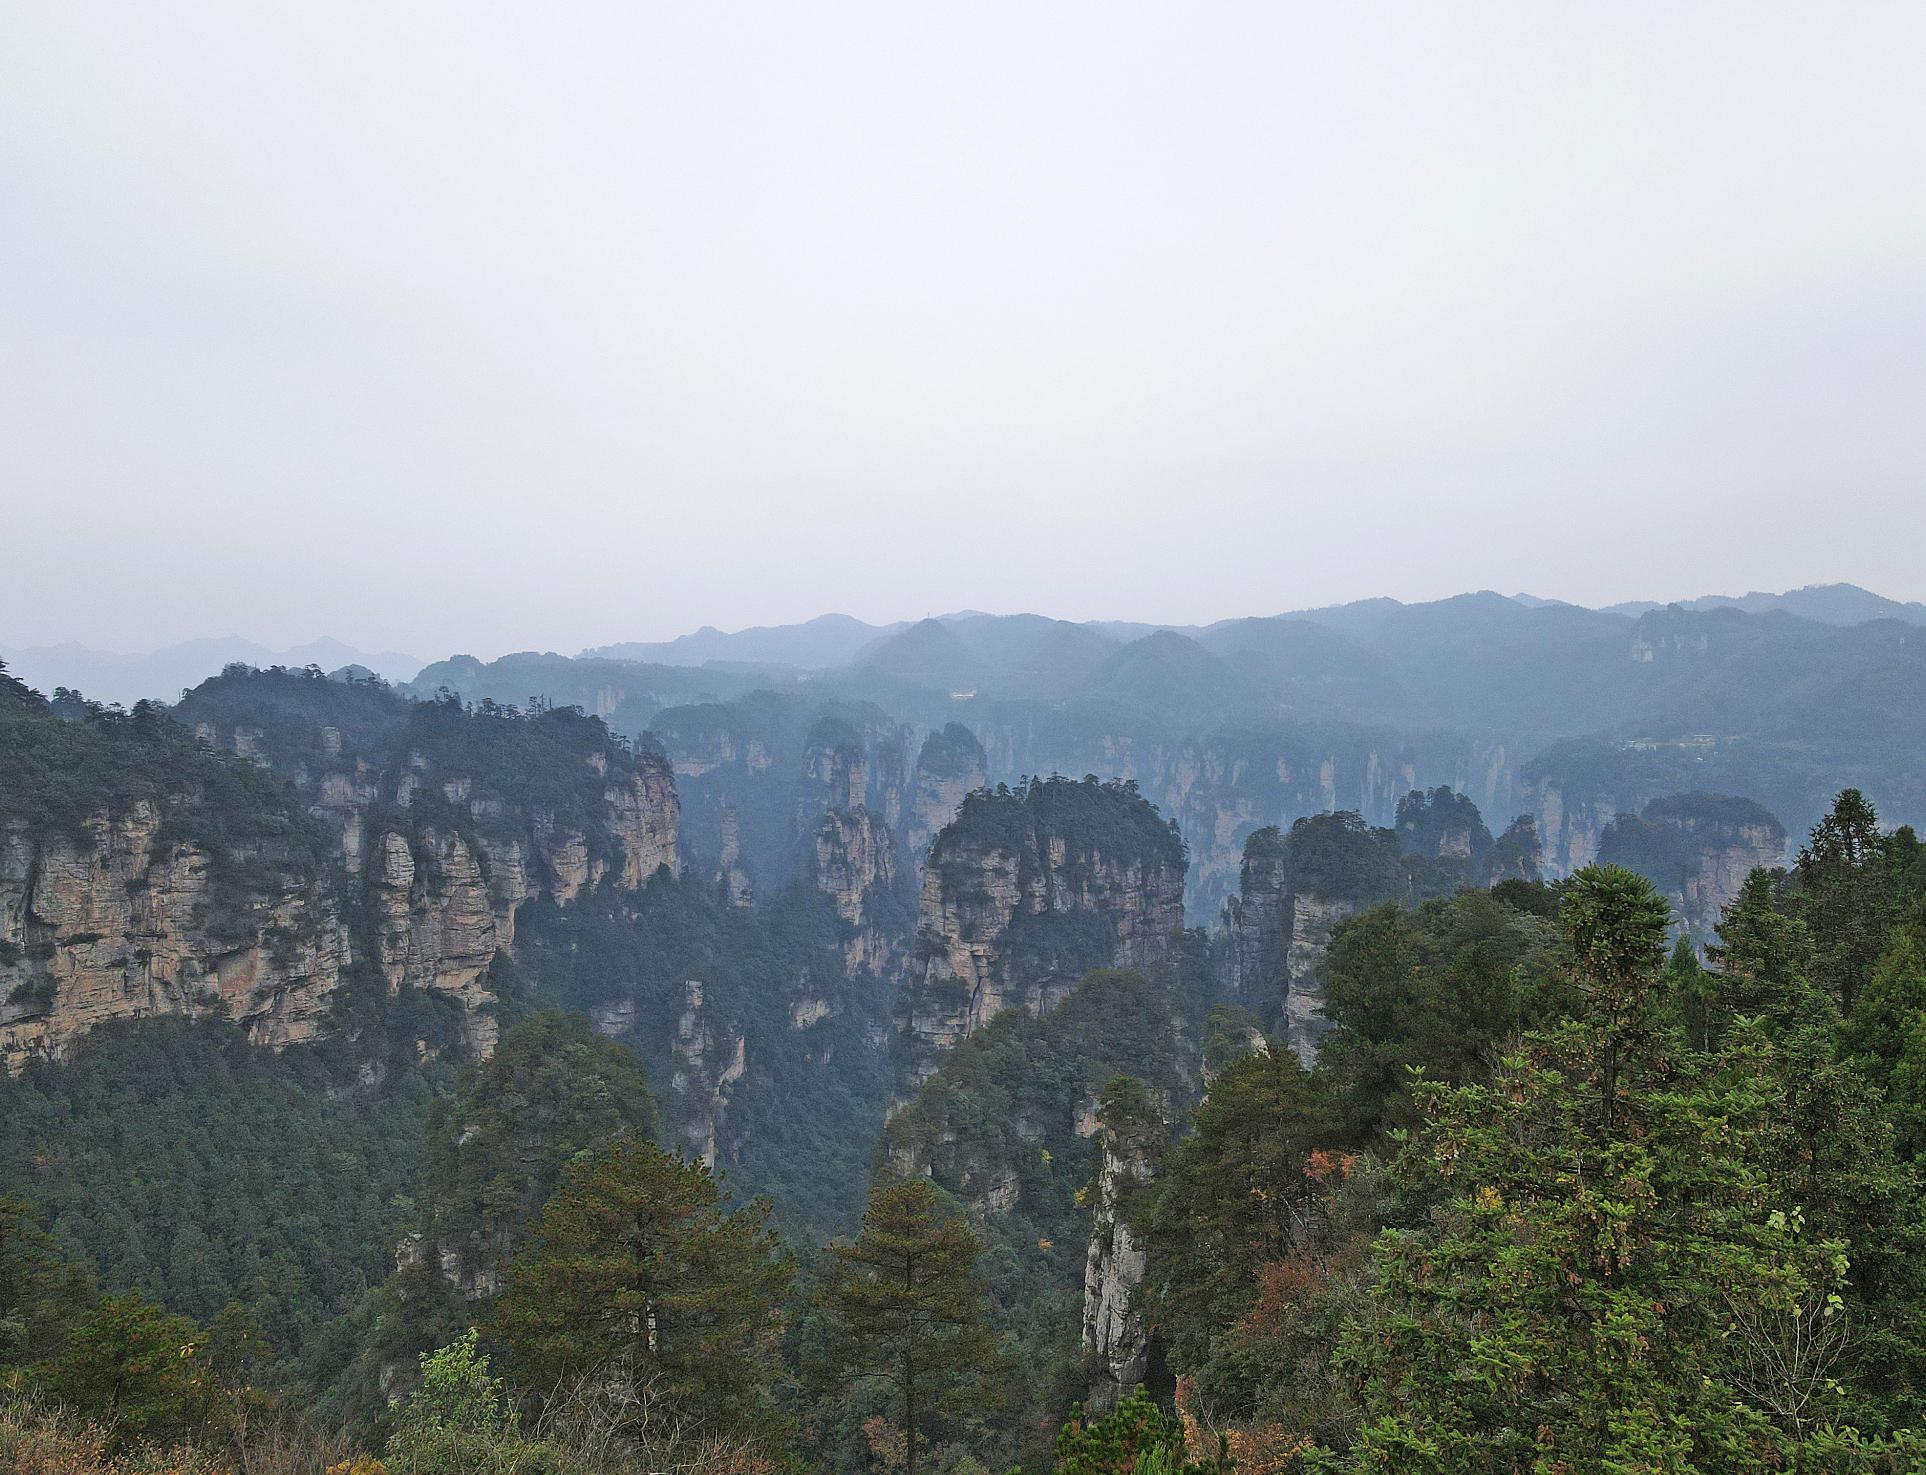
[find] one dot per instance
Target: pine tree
(42, 1293)
(1608, 1272)
(639, 1274)
(139, 1368)
(1845, 894)
(1235, 1196)
(907, 1309)
(1692, 992)
(496, 1148)
(1886, 1036)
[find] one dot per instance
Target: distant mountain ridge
(162, 675)
(835, 640)
(827, 640)
(1825, 604)
(1020, 654)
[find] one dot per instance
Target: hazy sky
(487, 326)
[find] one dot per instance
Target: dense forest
(578, 1163)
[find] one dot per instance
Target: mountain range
(162, 675)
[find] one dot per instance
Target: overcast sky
(486, 326)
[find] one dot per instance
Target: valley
(821, 930)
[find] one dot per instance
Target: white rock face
(1115, 1341)
(973, 899)
(118, 923)
(1313, 919)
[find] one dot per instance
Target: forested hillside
(367, 1050)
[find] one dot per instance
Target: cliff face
(1313, 919)
(756, 776)
(1296, 889)
(1257, 921)
(645, 820)
(951, 765)
(1276, 937)
(302, 812)
(1222, 788)
(1026, 891)
(1116, 1345)
(1571, 822)
(729, 867)
(442, 882)
(707, 1066)
(128, 922)
(436, 923)
(1697, 849)
(853, 862)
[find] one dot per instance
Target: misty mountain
(827, 640)
(162, 675)
(1827, 604)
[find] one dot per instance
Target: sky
(482, 327)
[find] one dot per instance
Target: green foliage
(1135, 1438)
(1886, 1036)
(640, 1274)
(1438, 990)
(1339, 857)
(455, 1392)
(1765, 958)
(198, 1169)
(1616, 1273)
(1845, 894)
(497, 1147)
(42, 1291)
(1001, 1121)
(802, 1121)
(64, 769)
(1237, 1194)
(456, 1418)
(907, 1309)
(138, 1367)
(1108, 819)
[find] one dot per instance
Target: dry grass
(36, 1440)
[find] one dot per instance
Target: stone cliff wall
(436, 833)
(126, 922)
(1116, 1344)
(1697, 849)
(951, 765)
(1019, 902)
(1223, 788)
(707, 1067)
(853, 862)
(1313, 920)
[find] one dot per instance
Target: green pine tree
(907, 1309)
(640, 1274)
(1607, 1277)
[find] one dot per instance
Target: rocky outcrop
(1570, 824)
(645, 820)
(1697, 849)
(730, 870)
(1257, 921)
(1116, 1345)
(419, 830)
(1222, 788)
(1294, 890)
(436, 924)
(853, 862)
(1313, 920)
(124, 920)
(951, 764)
(707, 1067)
(1028, 890)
